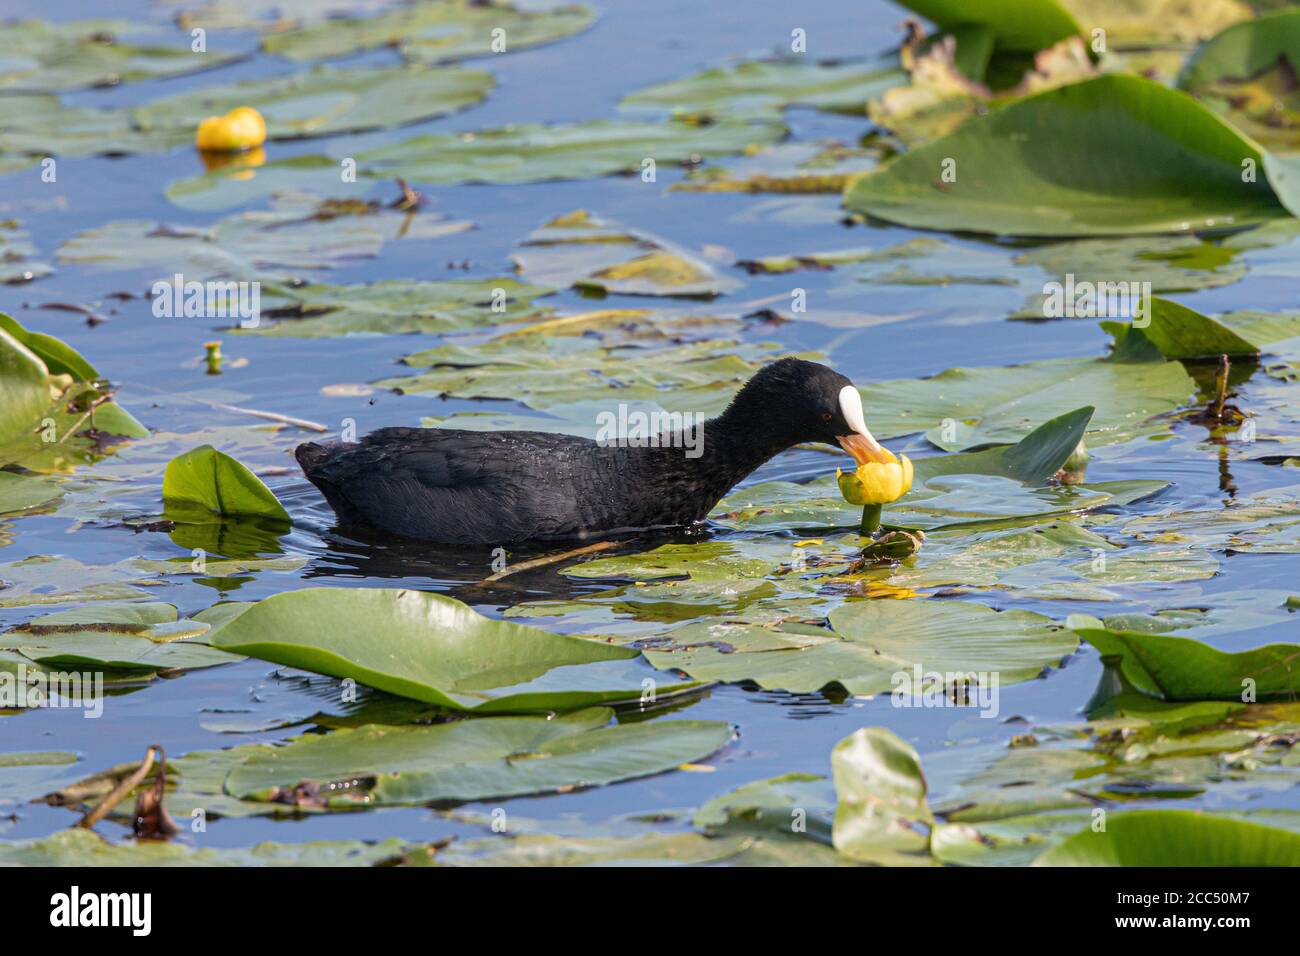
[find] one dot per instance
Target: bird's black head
(795, 401)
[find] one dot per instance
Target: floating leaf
(299, 233)
(1115, 154)
(39, 56)
(1000, 404)
(324, 100)
(40, 124)
(48, 579)
(1247, 73)
(80, 847)
(522, 153)
(16, 252)
(432, 648)
(592, 255)
(1167, 838)
(398, 307)
(1267, 522)
(54, 412)
(1021, 25)
(530, 152)
(28, 774)
(697, 377)
(432, 31)
(25, 492)
(882, 816)
(271, 15)
(871, 642)
(211, 481)
(544, 849)
(838, 86)
(1181, 668)
(135, 638)
(822, 167)
(471, 760)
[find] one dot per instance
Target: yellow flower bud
(240, 129)
(877, 483)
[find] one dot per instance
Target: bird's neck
(696, 468)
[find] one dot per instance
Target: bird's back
(471, 487)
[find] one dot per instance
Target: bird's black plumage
(472, 487)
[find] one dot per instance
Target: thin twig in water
(549, 559)
(273, 416)
(124, 786)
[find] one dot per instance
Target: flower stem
(870, 519)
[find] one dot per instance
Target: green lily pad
(324, 100)
(1266, 522)
(435, 649)
(27, 774)
(472, 760)
(966, 407)
(1179, 333)
(432, 31)
(1247, 73)
(1176, 838)
(1112, 155)
(882, 815)
(757, 85)
(246, 179)
(79, 847)
(545, 849)
(208, 480)
(796, 168)
(771, 803)
(54, 412)
(1156, 23)
(17, 264)
(531, 152)
(694, 377)
(593, 255)
(398, 307)
(523, 153)
(271, 15)
(1182, 668)
(870, 643)
(1061, 560)
(38, 56)
(299, 233)
(48, 579)
(134, 637)
(19, 493)
(1013, 841)
(41, 124)
(1022, 25)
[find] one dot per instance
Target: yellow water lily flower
(242, 128)
(877, 482)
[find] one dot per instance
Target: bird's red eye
(827, 416)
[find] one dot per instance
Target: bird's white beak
(860, 444)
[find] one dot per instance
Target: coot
(470, 487)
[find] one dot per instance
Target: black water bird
(472, 487)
